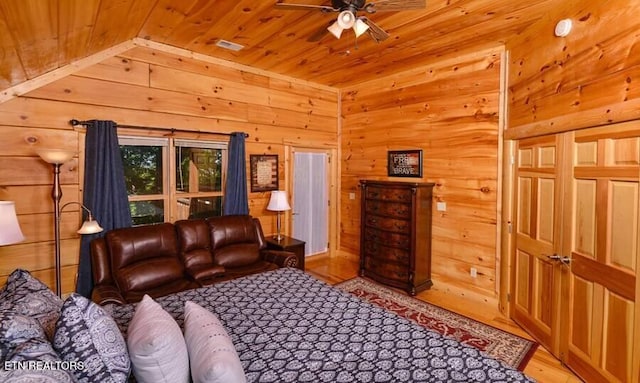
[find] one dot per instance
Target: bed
(288, 326)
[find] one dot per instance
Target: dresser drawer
(390, 224)
(391, 209)
(389, 270)
(388, 194)
(391, 239)
(386, 254)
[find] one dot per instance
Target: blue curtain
(236, 199)
(105, 192)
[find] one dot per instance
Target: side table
(288, 244)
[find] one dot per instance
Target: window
(170, 179)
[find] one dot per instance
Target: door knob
(559, 258)
(554, 257)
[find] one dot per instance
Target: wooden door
(577, 198)
(602, 240)
(537, 282)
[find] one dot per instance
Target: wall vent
(229, 45)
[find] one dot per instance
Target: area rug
(509, 348)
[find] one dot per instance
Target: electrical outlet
(473, 272)
(441, 206)
(352, 195)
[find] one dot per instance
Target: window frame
(170, 194)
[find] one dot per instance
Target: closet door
(602, 240)
(577, 248)
(537, 276)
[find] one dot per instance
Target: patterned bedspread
(290, 327)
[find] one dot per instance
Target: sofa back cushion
(234, 240)
(194, 243)
(144, 257)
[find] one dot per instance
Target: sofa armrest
(280, 258)
(104, 294)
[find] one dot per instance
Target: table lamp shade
(9, 228)
(278, 201)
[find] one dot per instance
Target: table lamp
(10, 232)
(278, 203)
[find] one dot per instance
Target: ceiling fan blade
(320, 33)
(378, 34)
(395, 5)
(305, 7)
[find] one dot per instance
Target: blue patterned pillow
(16, 329)
(86, 333)
(25, 295)
(34, 360)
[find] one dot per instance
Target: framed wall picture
(404, 163)
(264, 172)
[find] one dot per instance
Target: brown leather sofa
(167, 258)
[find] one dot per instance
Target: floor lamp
(57, 158)
(10, 232)
(278, 203)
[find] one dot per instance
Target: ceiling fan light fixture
(335, 29)
(360, 27)
(346, 19)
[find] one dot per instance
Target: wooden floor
(543, 366)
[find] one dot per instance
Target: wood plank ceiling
(37, 36)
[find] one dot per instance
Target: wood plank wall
(144, 87)
(588, 78)
(450, 111)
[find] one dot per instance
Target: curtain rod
(75, 122)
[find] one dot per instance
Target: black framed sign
(264, 172)
(404, 163)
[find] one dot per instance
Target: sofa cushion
(156, 346)
(194, 243)
(237, 255)
(85, 332)
(23, 294)
(234, 240)
(253, 268)
(212, 356)
(144, 257)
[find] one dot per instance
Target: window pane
(199, 207)
(142, 169)
(198, 170)
(146, 212)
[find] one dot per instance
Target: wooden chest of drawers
(395, 239)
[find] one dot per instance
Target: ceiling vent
(229, 45)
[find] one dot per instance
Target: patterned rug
(509, 348)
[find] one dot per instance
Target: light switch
(352, 195)
(441, 206)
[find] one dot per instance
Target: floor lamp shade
(56, 156)
(9, 228)
(279, 203)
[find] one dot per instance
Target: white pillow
(211, 352)
(156, 346)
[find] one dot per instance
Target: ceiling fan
(347, 18)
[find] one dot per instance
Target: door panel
(604, 252)
(536, 282)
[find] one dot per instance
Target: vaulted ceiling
(37, 36)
